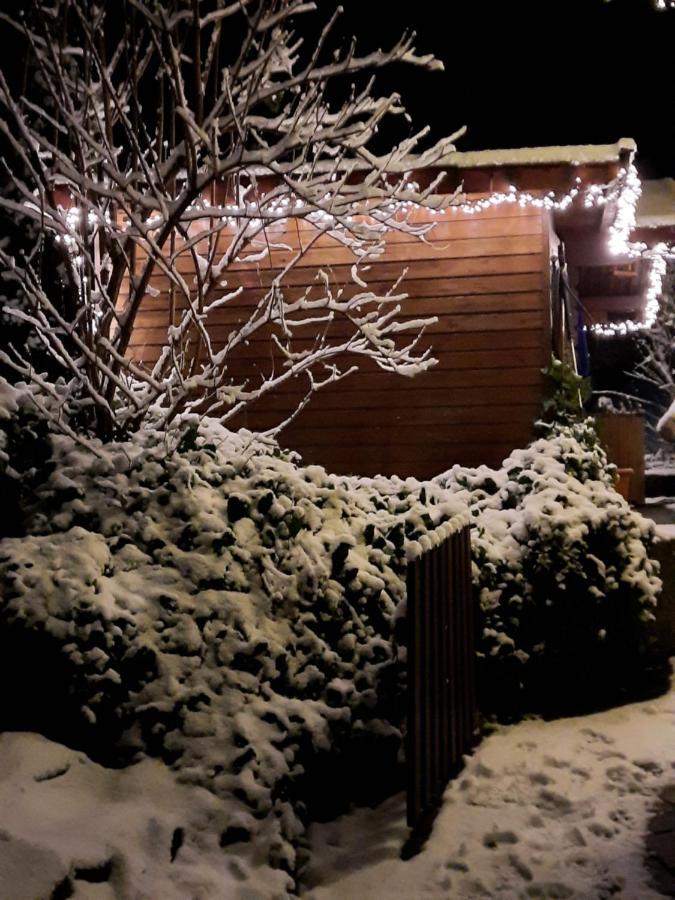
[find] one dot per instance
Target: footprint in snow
(474, 888)
(578, 860)
(519, 866)
(554, 803)
(597, 736)
(617, 774)
(50, 774)
(600, 830)
(539, 778)
(621, 817)
(575, 837)
(621, 778)
(649, 766)
(481, 771)
(456, 865)
(556, 763)
(445, 883)
(603, 755)
(551, 890)
(494, 838)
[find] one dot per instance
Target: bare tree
(147, 131)
(656, 371)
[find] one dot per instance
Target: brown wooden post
(442, 713)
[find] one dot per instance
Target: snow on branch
(154, 155)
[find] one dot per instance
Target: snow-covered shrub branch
(170, 141)
(564, 584)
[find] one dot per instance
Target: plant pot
(622, 482)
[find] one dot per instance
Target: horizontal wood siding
(484, 276)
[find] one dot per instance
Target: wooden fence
(442, 711)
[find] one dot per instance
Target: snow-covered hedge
(225, 608)
(565, 587)
(204, 598)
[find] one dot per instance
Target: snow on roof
(575, 154)
(571, 155)
(656, 208)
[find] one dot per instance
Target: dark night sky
(524, 73)
(536, 72)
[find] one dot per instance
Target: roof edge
(575, 154)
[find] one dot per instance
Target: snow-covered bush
(564, 584)
(25, 450)
(213, 602)
(202, 597)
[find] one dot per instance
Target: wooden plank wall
(484, 275)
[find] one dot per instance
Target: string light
(624, 191)
(621, 245)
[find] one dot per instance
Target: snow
(224, 608)
(64, 815)
(543, 809)
(233, 614)
(565, 154)
(576, 154)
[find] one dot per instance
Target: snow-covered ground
(68, 824)
(543, 809)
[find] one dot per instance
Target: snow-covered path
(543, 809)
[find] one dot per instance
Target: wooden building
(492, 278)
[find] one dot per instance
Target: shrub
(205, 598)
(564, 586)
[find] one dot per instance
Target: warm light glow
(258, 212)
(620, 244)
